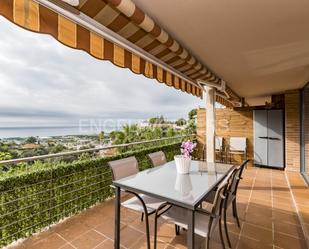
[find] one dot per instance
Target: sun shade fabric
(35, 17)
(126, 19)
(223, 101)
(129, 21)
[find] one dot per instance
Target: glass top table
(183, 190)
(186, 191)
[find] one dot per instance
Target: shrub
(5, 156)
(41, 194)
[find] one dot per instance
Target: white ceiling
(259, 47)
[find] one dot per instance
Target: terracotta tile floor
(269, 219)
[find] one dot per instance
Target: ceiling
(259, 47)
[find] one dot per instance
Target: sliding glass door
(305, 133)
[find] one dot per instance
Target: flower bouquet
(183, 161)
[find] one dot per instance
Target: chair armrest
(161, 209)
(203, 211)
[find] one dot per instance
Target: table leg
(117, 218)
(191, 229)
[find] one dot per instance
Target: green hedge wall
(33, 200)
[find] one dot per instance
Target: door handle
(274, 138)
(263, 137)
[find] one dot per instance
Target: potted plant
(183, 161)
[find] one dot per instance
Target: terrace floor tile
(88, 240)
(272, 206)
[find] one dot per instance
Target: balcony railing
(49, 189)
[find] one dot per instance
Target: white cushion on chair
(219, 143)
(238, 143)
(135, 204)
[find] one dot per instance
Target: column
(209, 96)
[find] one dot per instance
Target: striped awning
(124, 18)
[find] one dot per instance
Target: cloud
(42, 81)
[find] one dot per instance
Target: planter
(182, 164)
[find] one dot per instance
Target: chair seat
(134, 203)
(179, 217)
(210, 197)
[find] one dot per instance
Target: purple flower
(187, 148)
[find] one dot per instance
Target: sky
(44, 83)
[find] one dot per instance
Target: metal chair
(157, 158)
(219, 147)
(142, 203)
(238, 146)
(231, 197)
(205, 221)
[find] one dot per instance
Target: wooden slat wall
(240, 123)
(292, 130)
(229, 123)
(201, 130)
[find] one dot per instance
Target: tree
(117, 137)
(170, 132)
(153, 120)
(101, 136)
(191, 127)
(181, 122)
(130, 133)
(41, 151)
(56, 149)
(192, 114)
(4, 147)
(28, 153)
(14, 153)
(157, 120)
(31, 140)
(161, 120)
(112, 135)
(34, 152)
(157, 132)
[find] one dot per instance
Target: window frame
(302, 135)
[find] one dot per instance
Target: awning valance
(126, 20)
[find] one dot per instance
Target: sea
(22, 132)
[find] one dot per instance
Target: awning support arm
(220, 91)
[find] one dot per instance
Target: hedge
(31, 201)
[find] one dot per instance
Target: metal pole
(117, 218)
(191, 230)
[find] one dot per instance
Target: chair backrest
(123, 167)
(236, 178)
(221, 193)
(238, 143)
(219, 143)
(157, 158)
